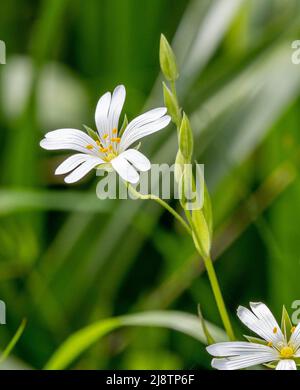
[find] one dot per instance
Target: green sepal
(124, 125)
(203, 243)
(271, 365)
(186, 139)
(286, 323)
(209, 339)
(179, 166)
(92, 133)
(255, 340)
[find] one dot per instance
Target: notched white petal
(101, 114)
(125, 169)
(136, 158)
(83, 170)
(71, 163)
(286, 364)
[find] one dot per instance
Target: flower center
(108, 146)
(109, 157)
(286, 352)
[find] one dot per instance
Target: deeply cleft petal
(125, 169)
(145, 124)
(286, 364)
(83, 169)
(264, 327)
(137, 159)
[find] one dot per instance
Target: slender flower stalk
(161, 203)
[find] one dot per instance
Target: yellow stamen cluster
(106, 146)
(275, 330)
(286, 352)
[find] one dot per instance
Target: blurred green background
(68, 259)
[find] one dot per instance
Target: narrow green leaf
(13, 341)
(172, 105)
(86, 337)
(209, 339)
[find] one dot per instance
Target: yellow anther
(293, 329)
(115, 139)
(109, 157)
(275, 330)
(98, 142)
(286, 352)
(270, 344)
(89, 147)
(115, 131)
(110, 147)
(105, 136)
(103, 150)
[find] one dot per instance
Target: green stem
(218, 297)
(213, 282)
(162, 203)
(207, 260)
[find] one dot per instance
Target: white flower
(108, 148)
(276, 346)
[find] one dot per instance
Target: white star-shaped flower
(278, 347)
(107, 148)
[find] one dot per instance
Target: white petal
(101, 114)
(263, 313)
(66, 145)
(71, 163)
(238, 362)
(116, 105)
(295, 338)
(72, 139)
(83, 169)
(125, 170)
(286, 364)
(256, 325)
(239, 348)
(62, 134)
(144, 125)
(137, 159)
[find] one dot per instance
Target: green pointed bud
(124, 125)
(172, 105)
(167, 60)
(92, 133)
(202, 236)
(186, 140)
(179, 166)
